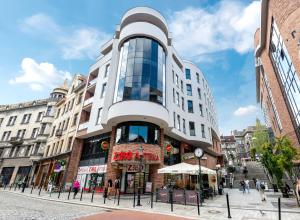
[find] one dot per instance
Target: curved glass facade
(141, 71)
(137, 132)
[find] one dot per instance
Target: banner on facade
(92, 169)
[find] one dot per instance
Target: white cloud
(244, 111)
(226, 25)
(39, 75)
(74, 42)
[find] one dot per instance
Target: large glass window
(190, 106)
(137, 132)
(288, 76)
(187, 73)
(189, 89)
(141, 73)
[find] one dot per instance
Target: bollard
(81, 194)
(40, 190)
(105, 194)
(171, 200)
(119, 197)
(32, 189)
(69, 192)
(184, 194)
(92, 199)
(134, 197)
(228, 206)
(279, 209)
(151, 200)
(156, 195)
(59, 192)
(198, 206)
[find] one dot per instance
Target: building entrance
(6, 174)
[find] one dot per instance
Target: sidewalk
(242, 206)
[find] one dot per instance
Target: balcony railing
(16, 140)
(83, 126)
(92, 82)
(58, 132)
(88, 101)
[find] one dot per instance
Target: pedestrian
(76, 188)
(117, 186)
(262, 191)
(257, 184)
(254, 181)
(242, 183)
(50, 186)
(109, 183)
(298, 189)
(247, 186)
(245, 171)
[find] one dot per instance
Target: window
(103, 90)
(43, 127)
(64, 110)
(173, 95)
(21, 133)
(39, 117)
(192, 128)
(189, 89)
(6, 136)
(176, 80)
(67, 124)
(177, 98)
(190, 106)
(34, 133)
(201, 110)
(137, 132)
(198, 78)
(199, 93)
(182, 103)
(141, 71)
(63, 125)
(183, 126)
(69, 147)
(174, 119)
(79, 100)
(173, 76)
(181, 85)
(75, 119)
(203, 130)
(71, 104)
(58, 112)
(107, 68)
(187, 73)
(99, 116)
(1, 120)
(48, 111)
(53, 130)
(12, 120)
(26, 119)
(178, 122)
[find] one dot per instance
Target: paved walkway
(243, 206)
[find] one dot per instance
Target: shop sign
(104, 145)
(187, 156)
(92, 169)
(148, 187)
(135, 168)
(168, 148)
(129, 156)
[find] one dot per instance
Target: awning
(185, 168)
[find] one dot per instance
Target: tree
(252, 153)
(260, 136)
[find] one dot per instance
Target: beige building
(24, 128)
(62, 133)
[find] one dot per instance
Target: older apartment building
(56, 156)
(24, 128)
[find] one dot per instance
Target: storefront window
(137, 132)
(141, 72)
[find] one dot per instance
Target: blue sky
(43, 42)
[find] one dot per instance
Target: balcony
(58, 132)
(83, 125)
(16, 140)
(88, 102)
(92, 83)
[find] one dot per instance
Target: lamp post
(141, 150)
(199, 154)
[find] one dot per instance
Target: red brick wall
(286, 14)
(74, 160)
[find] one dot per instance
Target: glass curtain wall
(141, 71)
(287, 74)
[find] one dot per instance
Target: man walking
(262, 191)
(247, 186)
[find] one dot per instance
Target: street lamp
(199, 153)
(141, 150)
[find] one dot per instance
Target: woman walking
(76, 188)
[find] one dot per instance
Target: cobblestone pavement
(18, 207)
(243, 206)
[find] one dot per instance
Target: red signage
(168, 148)
(128, 156)
(104, 145)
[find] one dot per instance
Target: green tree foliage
(252, 153)
(260, 136)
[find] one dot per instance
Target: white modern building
(140, 97)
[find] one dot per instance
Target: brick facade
(287, 17)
